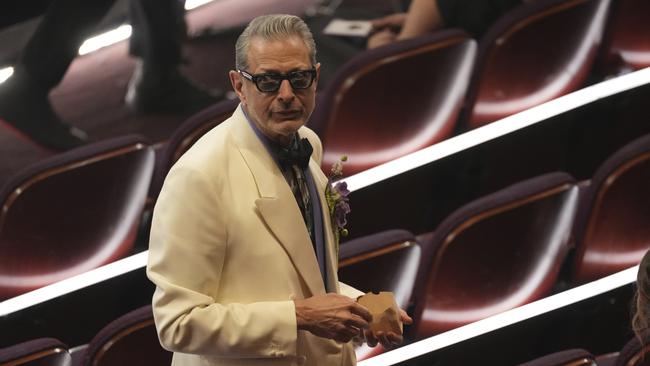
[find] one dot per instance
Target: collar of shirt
(271, 146)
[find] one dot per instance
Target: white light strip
(105, 39)
(123, 32)
(504, 319)
(111, 37)
(498, 128)
(6, 73)
(192, 4)
(77, 282)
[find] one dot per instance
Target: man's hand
(332, 316)
(381, 38)
(387, 339)
(393, 21)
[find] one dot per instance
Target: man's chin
(290, 125)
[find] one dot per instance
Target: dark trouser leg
(158, 31)
(24, 103)
(157, 86)
(55, 43)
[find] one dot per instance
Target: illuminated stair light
(192, 4)
(5, 73)
(111, 37)
(105, 39)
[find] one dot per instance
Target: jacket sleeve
(188, 246)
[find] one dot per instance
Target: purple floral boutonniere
(336, 195)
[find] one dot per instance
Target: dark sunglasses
(270, 82)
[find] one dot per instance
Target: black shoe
(24, 106)
(166, 92)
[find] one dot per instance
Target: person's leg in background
(157, 85)
(24, 102)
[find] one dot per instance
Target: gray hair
(273, 26)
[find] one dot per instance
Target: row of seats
(128, 340)
(512, 247)
(397, 99)
(106, 183)
(81, 209)
(498, 252)
(131, 340)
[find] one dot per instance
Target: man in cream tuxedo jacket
(244, 267)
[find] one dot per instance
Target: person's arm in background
(423, 16)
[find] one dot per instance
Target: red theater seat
(534, 53)
(612, 229)
(394, 100)
(186, 135)
(37, 352)
(494, 254)
(385, 261)
(71, 213)
(627, 41)
(128, 340)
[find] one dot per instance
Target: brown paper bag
(384, 310)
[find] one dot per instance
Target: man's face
(281, 113)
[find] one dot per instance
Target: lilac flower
(336, 195)
(341, 210)
(342, 189)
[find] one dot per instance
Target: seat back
(393, 100)
(186, 135)
(385, 261)
(37, 352)
(128, 340)
(627, 40)
(571, 357)
(496, 253)
(72, 213)
(612, 230)
(534, 53)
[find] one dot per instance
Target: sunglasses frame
(279, 77)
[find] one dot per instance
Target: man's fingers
(356, 322)
(361, 311)
(394, 338)
(383, 339)
(370, 338)
(406, 319)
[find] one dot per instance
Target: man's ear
(317, 73)
(237, 85)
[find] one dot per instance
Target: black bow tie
(297, 154)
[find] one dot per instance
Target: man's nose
(285, 93)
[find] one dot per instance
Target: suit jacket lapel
(277, 205)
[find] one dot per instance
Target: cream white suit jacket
(229, 252)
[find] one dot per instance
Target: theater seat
(37, 352)
(72, 213)
(128, 340)
(394, 100)
(534, 53)
(385, 261)
(571, 357)
(186, 135)
(612, 230)
(494, 254)
(627, 40)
